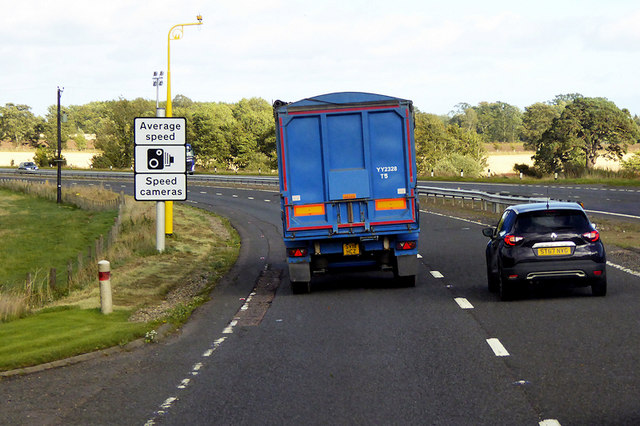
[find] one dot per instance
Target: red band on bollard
(104, 276)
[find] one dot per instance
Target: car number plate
(351, 249)
(554, 251)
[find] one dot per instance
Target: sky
(437, 54)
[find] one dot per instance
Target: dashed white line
(250, 198)
(463, 303)
(436, 274)
(267, 201)
(184, 384)
(497, 347)
(549, 422)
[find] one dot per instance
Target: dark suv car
(545, 241)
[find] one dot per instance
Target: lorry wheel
(300, 287)
(406, 281)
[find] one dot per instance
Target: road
(359, 351)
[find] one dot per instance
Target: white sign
(160, 130)
(164, 187)
(160, 159)
(160, 156)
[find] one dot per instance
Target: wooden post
(52, 279)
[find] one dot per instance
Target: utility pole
(59, 158)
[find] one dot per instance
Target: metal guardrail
(496, 202)
(489, 200)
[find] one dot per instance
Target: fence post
(69, 275)
(52, 279)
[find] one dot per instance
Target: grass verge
(149, 288)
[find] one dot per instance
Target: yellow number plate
(351, 249)
(554, 251)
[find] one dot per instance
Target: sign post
(160, 164)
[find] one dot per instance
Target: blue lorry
(191, 159)
(347, 171)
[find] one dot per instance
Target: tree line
(567, 134)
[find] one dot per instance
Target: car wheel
(492, 281)
(599, 288)
(506, 289)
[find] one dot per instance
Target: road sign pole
(160, 226)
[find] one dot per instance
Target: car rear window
(551, 220)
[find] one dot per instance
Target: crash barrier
(486, 201)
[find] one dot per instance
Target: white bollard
(104, 275)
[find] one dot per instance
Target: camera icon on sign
(157, 159)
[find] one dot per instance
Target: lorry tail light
(297, 252)
(592, 236)
(405, 245)
(512, 240)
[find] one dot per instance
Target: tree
(447, 147)
(587, 129)
(18, 124)
(115, 137)
(536, 120)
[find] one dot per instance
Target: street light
(175, 33)
(157, 82)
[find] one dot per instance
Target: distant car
(27, 166)
(538, 242)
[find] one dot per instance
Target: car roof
(552, 205)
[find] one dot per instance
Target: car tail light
(297, 252)
(405, 245)
(597, 273)
(592, 236)
(512, 240)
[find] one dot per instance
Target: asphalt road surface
(357, 350)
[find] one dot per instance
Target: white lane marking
(267, 201)
(168, 402)
(183, 384)
(250, 198)
(436, 274)
(234, 196)
(203, 192)
(419, 256)
(613, 214)
(549, 422)
(208, 353)
(497, 347)
(453, 217)
(623, 269)
(218, 193)
(463, 303)
(229, 328)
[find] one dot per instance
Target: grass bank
(149, 288)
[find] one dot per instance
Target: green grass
(63, 332)
(37, 234)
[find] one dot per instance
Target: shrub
(527, 170)
(453, 163)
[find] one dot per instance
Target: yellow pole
(175, 33)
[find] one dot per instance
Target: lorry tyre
(300, 287)
(406, 281)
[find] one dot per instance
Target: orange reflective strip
(348, 196)
(308, 210)
(391, 204)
